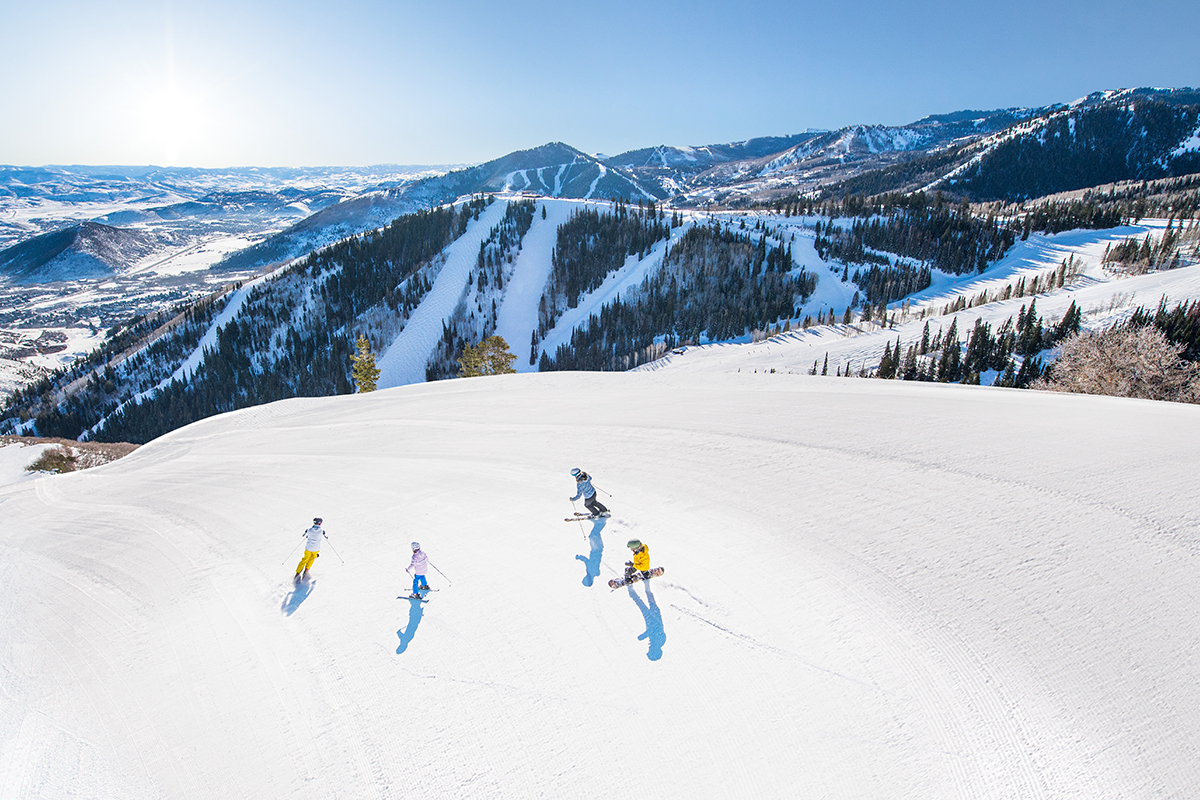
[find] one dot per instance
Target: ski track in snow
(517, 317)
(405, 359)
(595, 181)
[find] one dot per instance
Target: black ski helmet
(317, 520)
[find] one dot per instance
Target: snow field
(873, 589)
(15, 459)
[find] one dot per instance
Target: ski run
(873, 589)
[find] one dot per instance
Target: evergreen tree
(887, 366)
(910, 363)
(364, 371)
(489, 357)
(949, 365)
(1007, 378)
(1070, 324)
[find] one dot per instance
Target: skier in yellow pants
(311, 549)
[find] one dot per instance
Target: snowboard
(617, 583)
(580, 516)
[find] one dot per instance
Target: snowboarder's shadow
(299, 593)
(655, 633)
(406, 634)
(592, 561)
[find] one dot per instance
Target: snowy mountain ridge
(299, 315)
(259, 221)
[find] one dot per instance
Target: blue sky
(213, 83)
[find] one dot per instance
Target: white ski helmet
(416, 545)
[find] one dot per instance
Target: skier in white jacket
(417, 568)
(311, 549)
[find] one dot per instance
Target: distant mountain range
(1007, 154)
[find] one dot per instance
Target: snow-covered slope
(15, 458)
(873, 589)
(1105, 298)
(404, 361)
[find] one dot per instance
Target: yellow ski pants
(309, 557)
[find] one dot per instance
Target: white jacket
(419, 563)
(314, 535)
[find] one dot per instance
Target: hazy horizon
(219, 84)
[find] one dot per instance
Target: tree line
(715, 284)
(942, 235)
(590, 245)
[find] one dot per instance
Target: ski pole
(594, 486)
(335, 552)
(439, 572)
(289, 555)
(575, 511)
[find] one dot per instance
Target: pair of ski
(580, 516)
(420, 597)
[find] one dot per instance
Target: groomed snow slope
(873, 589)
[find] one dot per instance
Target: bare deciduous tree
(1125, 362)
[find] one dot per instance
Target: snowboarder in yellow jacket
(641, 560)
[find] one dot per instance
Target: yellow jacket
(641, 558)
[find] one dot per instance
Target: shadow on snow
(298, 594)
(406, 634)
(592, 561)
(656, 634)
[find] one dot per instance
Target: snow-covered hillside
(93, 247)
(872, 589)
(1106, 298)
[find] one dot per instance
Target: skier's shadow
(655, 633)
(592, 561)
(406, 634)
(298, 594)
